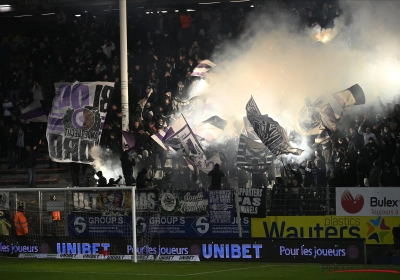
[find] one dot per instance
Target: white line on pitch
(225, 270)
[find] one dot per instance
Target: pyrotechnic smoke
(106, 162)
(280, 67)
(326, 35)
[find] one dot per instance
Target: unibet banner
(375, 230)
(368, 201)
(76, 120)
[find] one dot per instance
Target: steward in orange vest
(20, 222)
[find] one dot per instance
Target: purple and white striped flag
(34, 112)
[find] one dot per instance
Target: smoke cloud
(280, 67)
(106, 162)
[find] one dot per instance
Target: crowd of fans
(164, 48)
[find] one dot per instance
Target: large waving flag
(329, 118)
(210, 129)
(252, 108)
(189, 143)
(351, 96)
(158, 138)
(248, 130)
(34, 112)
(202, 68)
(314, 116)
(271, 134)
(253, 156)
(309, 120)
(76, 120)
(180, 130)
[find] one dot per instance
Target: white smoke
(106, 162)
(279, 67)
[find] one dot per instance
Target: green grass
(26, 269)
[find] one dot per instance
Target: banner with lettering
(76, 120)
(221, 206)
(253, 202)
(107, 202)
(183, 203)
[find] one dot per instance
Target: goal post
(62, 220)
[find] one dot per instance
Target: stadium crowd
(164, 49)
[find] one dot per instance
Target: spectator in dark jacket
(216, 175)
(127, 163)
(141, 180)
(102, 181)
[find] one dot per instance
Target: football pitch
(13, 268)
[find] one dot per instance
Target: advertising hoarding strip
(368, 201)
(375, 230)
(274, 250)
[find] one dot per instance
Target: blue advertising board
(88, 225)
(163, 226)
(180, 227)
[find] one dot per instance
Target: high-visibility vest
(56, 215)
(21, 224)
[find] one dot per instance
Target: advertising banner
(221, 206)
(154, 226)
(183, 203)
(76, 120)
(311, 250)
(368, 201)
(107, 226)
(375, 230)
(253, 202)
(285, 250)
(195, 227)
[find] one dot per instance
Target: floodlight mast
(124, 66)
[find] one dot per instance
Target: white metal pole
(124, 66)
(239, 222)
(134, 225)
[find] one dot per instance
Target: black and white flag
(253, 156)
(271, 134)
(350, 97)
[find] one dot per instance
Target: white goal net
(79, 222)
